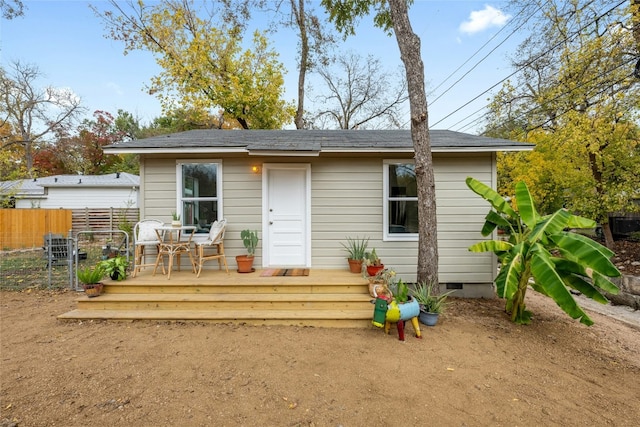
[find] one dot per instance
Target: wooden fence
(25, 228)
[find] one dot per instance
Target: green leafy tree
(203, 62)
(577, 99)
(539, 247)
(393, 16)
(12, 165)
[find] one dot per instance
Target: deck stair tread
(216, 314)
(226, 297)
(325, 298)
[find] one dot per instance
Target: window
(401, 201)
(199, 193)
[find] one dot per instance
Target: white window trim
(219, 199)
(386, 236)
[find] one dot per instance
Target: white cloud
(480, 20)
(114, 87)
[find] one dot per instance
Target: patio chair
(214, 241)
(145, 235)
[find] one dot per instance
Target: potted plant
(380, 284)
(175, 219)
(356, 248)
(431, 302)
(250, 241)
(115, 267)
(402, 307)
(374, 265)
(91, 280)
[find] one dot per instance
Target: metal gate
(64, 255)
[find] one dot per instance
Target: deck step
(326, 298)
(324, 318)
(264, 288)
(224, 301)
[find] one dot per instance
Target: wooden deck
(329, 298)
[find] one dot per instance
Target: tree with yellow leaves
(577, 99)
(204, 64)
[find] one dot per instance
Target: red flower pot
(372, 270)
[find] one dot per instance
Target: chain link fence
(55, 263)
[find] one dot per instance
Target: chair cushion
(214, 230)
(147, 233)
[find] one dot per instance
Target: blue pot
(429, 319)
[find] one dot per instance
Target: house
(116, 190)
(306, 191)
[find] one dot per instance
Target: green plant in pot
(250, 242)
(356, 248)
(373, 262)
(115, 267)
(175, 219)
(91, 279)
(432, 302)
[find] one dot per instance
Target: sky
(66, 41)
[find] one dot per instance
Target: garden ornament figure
(385, 313)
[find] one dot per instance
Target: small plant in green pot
(356, 248)
(91, 279)
(250, 242)
(432, 302)
(116, 267)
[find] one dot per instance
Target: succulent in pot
(356, 250)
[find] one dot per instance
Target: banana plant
(541, 248)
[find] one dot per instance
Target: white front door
(286, 215)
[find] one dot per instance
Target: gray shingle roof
(212, 140)
(37, 185)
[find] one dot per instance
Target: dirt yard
(474, 368)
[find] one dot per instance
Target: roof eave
(283, 153)
(313, 153)
(174, 150)
(480, 149)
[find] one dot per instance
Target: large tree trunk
(409, 44)
(635, 18)
(304, 60)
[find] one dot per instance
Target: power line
(555, 46)
(486, 56)
(478, 51)
(570, 109)
(539, 107)
(557, 97)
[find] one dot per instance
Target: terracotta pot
(93, 290)
(372, 270)
(245, 263)
(355, 265)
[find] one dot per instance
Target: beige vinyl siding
(159, 195)
(460, 215)
(242, 204)
(347, 200)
